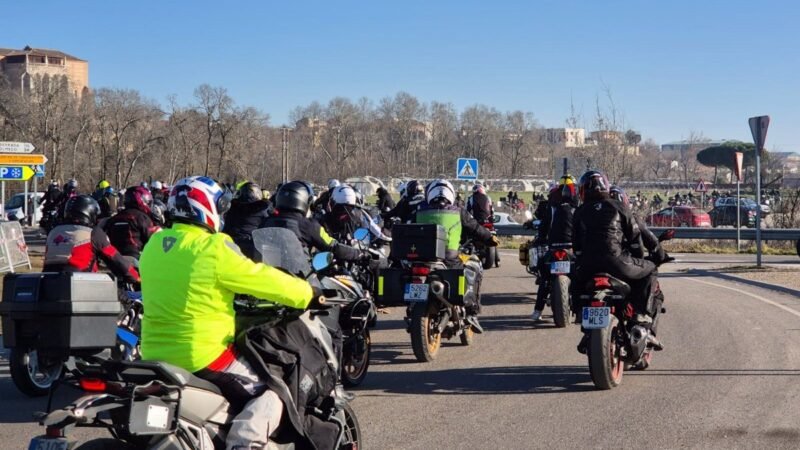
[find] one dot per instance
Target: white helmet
(344, 195)
(440, 189)
(333, 182)
(157, 185)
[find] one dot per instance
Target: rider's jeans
(262, 408)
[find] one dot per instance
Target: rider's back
(599, 228)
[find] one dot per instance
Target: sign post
(758, 128)
(738, 158)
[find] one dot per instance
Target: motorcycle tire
(104, 444)
(352, 436)
(354, 372)
(23, 365)
(468, 336)
(560, 301)
(423, 341)
(605, 365)
(488, 258)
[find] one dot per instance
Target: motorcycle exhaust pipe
(437, 289)
(444, 322)
(639, 336)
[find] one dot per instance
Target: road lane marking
(757, 297)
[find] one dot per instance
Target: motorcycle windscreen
(280, 247)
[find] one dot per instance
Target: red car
(680, 216)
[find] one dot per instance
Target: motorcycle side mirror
(362, 235)
(666, 235)
(528, 215)
(322, 261)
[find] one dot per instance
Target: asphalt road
(728, 377)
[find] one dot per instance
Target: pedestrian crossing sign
(467, 169)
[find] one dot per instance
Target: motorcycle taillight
(560, 255)
(489, 226)
(420, 271)
(92, 384)
(602, 282)
(598, 304)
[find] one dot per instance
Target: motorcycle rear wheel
(605, 364)
(355, 371)
(468, 336)
(560, 301)
(28, 375)
(489, 257)
(425, 338)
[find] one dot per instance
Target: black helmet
(293, 196)
(249, 193)
(593, 183)
(82, 210)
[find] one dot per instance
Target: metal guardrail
(747, 234)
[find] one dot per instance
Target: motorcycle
(357, 316)
(487, 254)
(151, 404)
(553, 275)
(34, 372)
(615, 342)
(436, 296)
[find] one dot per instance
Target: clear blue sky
(672, 66)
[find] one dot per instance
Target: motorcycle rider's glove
(659, 256)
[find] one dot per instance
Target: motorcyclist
(159, 193)
(77, 245)
(385, 200)
(412, 194)
(439, 208)
(105, 197)
(323, 203)
(50, 202)
(293, 211)
(649, 240)
(480, 205)
(131, 229)
(603, 231)
(248, 212)
(191, 273)
(557, 228)
(69, 191)
(346, 216)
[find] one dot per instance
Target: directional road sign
(16, 173)
(28, 160)
(467, 169)
(16, 147)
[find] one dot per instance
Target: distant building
(682, 146)
(790, 161)
(616, 139)
(29, 66)
(568, 137)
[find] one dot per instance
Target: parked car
(14, 207)
(502, 218)
(680, 216)
(726, 215)
(745, 202)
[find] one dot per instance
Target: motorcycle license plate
(416, 292)
(595, 318)
(559, 267)
(44, 443)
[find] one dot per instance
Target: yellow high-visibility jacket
(189, 278)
